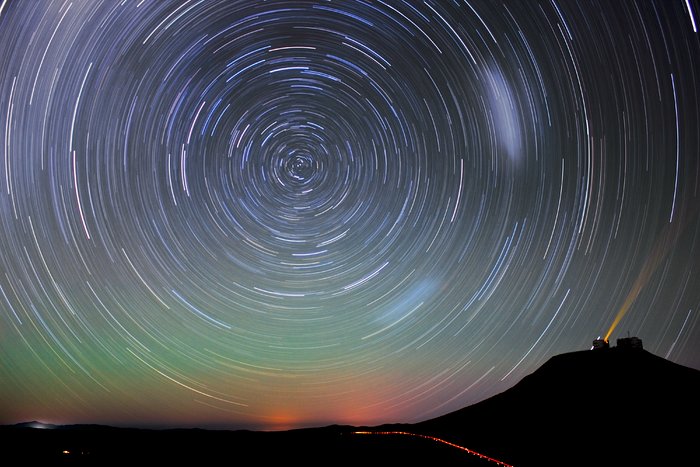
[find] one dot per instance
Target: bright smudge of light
(41, 426)
(439, 440)
(504, 112)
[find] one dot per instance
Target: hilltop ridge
(616, 406)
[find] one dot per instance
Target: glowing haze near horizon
(274, 214)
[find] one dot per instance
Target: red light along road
(439, 440)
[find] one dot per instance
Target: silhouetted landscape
(616, 406)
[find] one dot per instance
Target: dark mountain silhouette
(608, 407)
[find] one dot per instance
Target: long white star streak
(278, 214)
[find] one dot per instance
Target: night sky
(276, 214)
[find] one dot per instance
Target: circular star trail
(281, 214)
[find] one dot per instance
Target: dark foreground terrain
(329, 446)
(612, 407)
(609, 407)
